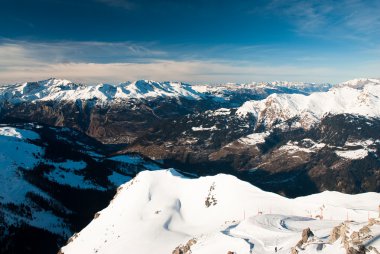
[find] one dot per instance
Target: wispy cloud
(125, 4)
(346, 19)
(187, 71)
(94, 62)
(74, 51)
(111, 52)
(307, 15)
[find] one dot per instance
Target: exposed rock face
(294, 251)
(373, 221)
(186, 248)
(337, 232)
(211, 200)
(312, 159)
(306, 234)
(354, 243)
(341, 232)
(352, 250)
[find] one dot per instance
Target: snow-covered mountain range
(356, 97)
(165, 212)
(269, 103)
(60, 90)
(243, 129)
(66, 147)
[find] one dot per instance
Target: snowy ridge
(357, 97)
(64, 90)
(360, 82)
(257, 85)
(161, 210)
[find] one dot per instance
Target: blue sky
(196, 41)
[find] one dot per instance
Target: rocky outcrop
(373, 221)
(294, 251)
(307, 236)
(185, 248)
(211, 200)
(354, 243)
(337, 232)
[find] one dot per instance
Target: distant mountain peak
(54, 89)
(358, 97)
(359, 83)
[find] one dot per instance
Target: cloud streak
(125, 4)
(95, 62)
(187, 71)
(74, 51)
(346, 19)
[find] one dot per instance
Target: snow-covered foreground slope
(356, 97)
(162, 210)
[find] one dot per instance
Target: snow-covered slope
(17, 151)
(357, 97)
(48, 180)
(162, 210)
